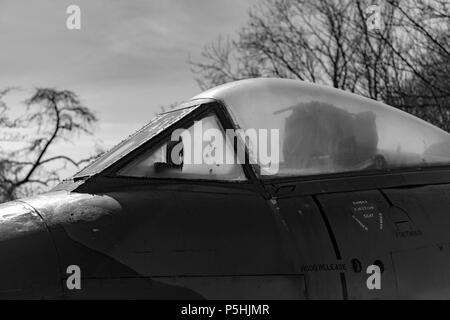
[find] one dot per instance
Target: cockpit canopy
(293, 128)
(325, 130)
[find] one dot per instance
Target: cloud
(128, 59)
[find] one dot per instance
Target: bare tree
(302, 39)
(52, 117)
(424, 60)
(404, 62)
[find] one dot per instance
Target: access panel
(421, 252)
(364, 237)
(311, 245)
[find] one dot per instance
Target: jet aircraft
(346, 184)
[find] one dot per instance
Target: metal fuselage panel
(28, 266)
(169, 242)
(194, 241)
(404, 230)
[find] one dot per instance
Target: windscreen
(156, 125)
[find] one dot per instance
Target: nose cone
(28, 261)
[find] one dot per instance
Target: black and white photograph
(240, 151)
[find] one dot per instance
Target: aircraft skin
(285, 238)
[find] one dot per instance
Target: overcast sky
(128, 59)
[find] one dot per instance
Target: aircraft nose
(28, 263)
(15, 219)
